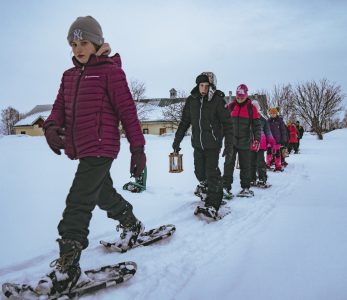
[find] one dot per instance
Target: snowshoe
(201, 190)
(278, 169)
(262, 184)
(90, 282)
(227, 194)
(145, 238)
(139, 185)
(247, 193)
(253, 183)
(209, 213)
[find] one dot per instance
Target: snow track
(199, 261)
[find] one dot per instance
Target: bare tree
(9, 117)
(317, 102)
(263, 101)
(344, 120)
(138, 90)
(173, 112)
(282, 98)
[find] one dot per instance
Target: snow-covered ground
(288, 242)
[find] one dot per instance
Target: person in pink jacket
(293, 137)
(92, 101)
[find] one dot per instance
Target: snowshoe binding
(227, 194)
(208, 213)
(129, 235)
(262, 184)
(246, 193)
(201, 190)
(139, 185)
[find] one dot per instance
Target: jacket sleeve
(284, 132)
(256, 124)
(184, 124)
(223, 113)
(124, 106)
(266, 129)
(57, 115)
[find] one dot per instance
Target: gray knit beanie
(86, 28)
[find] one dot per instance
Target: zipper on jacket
(213, 132)
(74, 113)
(202, 102)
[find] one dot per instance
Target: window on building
(162, 131)
(145, 131)
(23, 132)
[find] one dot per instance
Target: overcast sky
(166, 44)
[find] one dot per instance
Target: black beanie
(202, 78)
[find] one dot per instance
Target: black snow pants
(258, 166)
(92, 186)
(245, 168)
(206, 168)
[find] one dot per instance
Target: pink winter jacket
(293, 134)
(92, 100)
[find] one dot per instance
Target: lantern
(175, 162)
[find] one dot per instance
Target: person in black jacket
(300, 135)
(205, 110)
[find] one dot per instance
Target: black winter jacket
(207, 118)
(246, 126)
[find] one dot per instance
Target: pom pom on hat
(86, 28)
(242, 91)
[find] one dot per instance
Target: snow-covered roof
(155, 113)
(30, 120)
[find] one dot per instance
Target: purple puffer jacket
(91, 102)
(278, 130)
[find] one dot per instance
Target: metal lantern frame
(175, 162)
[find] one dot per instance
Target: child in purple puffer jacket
(92, 101)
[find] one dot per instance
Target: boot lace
(64, 261)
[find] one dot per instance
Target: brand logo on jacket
(91, 76)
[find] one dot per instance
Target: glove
(255, 145)
(138, 160)
(176, 147)
(53, 135)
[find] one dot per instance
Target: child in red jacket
(293, 137)
(93, 99)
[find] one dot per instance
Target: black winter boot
(66, 270)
